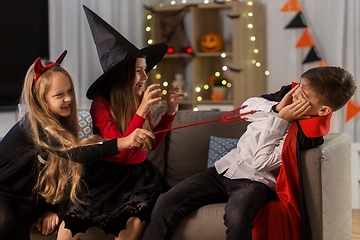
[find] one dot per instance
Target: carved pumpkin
(212, 43)
(216, 96)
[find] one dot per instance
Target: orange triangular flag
(305, 40)
(321, 63)
(291, 6)
(352, 109)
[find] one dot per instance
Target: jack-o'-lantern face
(212, 43)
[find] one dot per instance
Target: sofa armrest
(327, 185)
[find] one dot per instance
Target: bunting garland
(352, 108)
(299, 22)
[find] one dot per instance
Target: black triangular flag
(297, 22)
(312, 56)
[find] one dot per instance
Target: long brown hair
(58, 179)
(123, 101)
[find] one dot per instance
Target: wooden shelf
(174, 24)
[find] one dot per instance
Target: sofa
(185, 152)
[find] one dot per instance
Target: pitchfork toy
(226, 118)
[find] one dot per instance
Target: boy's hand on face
(295, 111)
(287, 99)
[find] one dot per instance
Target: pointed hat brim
(114, 51)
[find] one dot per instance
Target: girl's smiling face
(60, 95)
(140, 76)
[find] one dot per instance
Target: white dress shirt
(258, 153)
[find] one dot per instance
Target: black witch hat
(114, 50)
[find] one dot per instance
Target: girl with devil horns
(123, 188)
(35, 171)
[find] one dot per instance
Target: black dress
(20, 165)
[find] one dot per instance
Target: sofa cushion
(187, 148)
(85, 124)
(219, 147)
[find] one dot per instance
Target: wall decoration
(305, 40)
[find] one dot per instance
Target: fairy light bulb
(195, 109)
(148, 29)
(217, 74)
(164, 92)
(223, 55)
(165, 84)
(158, 76)
(155, 67)
(199, 98)
(250, 14)
(228, 85)
(250, 3)
(256, 50)
(253, 38)
(267, 73)
(183, 1)
(206, 87)
(149, 16)
(253, 61)
(250, 25)
(150, 41)
(173, 2)
(198, 89)
(224, 82)
(206, 1)
(224, 68)
(161, 5)
(258, 64)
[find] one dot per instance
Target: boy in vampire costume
(265, 161)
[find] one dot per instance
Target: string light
(250, 25)
(253, 61)
(164, 92)
(217, 74)
(256, 50)
(253, 38)
(158, 76)
(228, 85)
(195, 109)
(267, 73)
(206, 1)
(150, 41)
(258, 64)
(223, 55)
(184, 1)
(198, 89)
(224, 82)
(149, 16)
(206, 86)
(224, 68)
(250, 3)
(161, 5)
(173, 2)
(199, 98)
(155, 67)
(148, 29)
(250, 14)
(165, 84)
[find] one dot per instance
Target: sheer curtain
(69, 30)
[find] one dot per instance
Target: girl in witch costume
(35, 171)
(123, 188)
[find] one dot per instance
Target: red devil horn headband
(40, 69)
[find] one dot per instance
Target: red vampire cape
(286, 218)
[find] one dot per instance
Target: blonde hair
(123, 101)
(59, 179)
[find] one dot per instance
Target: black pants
(16, 219)
(244, 200)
